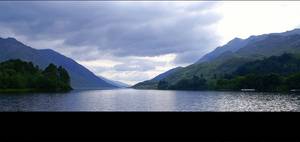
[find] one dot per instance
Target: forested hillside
(276, 73)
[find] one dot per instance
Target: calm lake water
(150, 100)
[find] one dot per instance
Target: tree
(194, 83)
(163, 85)
(293, 81)
(17, 74)
(51, 77)
(51, 71)
(271, 82)
(198, 83)
(63, 75)
(215, 76)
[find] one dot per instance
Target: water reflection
(150, 100)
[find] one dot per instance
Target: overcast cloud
(118, 32)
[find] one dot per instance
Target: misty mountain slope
(224, 64)
(273, 45)
(12, 49)
(232, 45)
(166, 74)
(115, 83)
(226, 59)
(237, 43)
(227, 62)
(81, 78)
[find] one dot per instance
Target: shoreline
(28, 90)
(21, 91)
(221, 90)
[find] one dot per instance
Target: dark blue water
(150, 100)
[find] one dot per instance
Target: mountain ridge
(81, 77)
(116, 83)
(225, 59)
(152, 83)
(238, 43)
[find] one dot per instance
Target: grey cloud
(118, 28)
(100, 69)
(125, 67)
(137, 65)
(200, 6)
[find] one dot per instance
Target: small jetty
(248, 90)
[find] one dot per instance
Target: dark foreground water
(150, 100)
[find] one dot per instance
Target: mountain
(166, 74)
(284, 64)
(275, 73)
(232, 45)
(81, 78)
(272, 74)
(120, 84)
(272, 45)
(152, 83)
(238, 43)
(115, 83)
(226, 59)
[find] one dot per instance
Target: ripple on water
(150, 100)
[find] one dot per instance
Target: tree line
(276, 73)
(17, 74)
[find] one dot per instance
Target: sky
(135, 41)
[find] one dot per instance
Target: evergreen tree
(17, 74)
(163, 85)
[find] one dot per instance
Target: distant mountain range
(115, 83)
(81, 78)
(227, 58)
